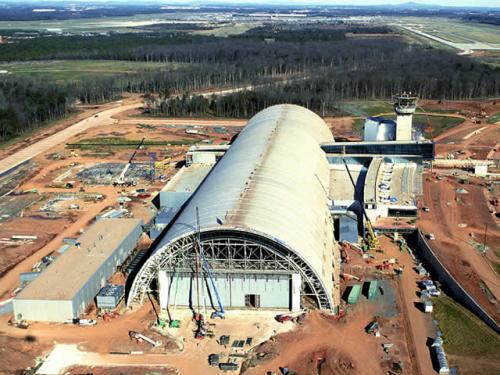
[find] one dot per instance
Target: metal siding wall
(348, 229)
(173, 199)
(86, 295)
(232, 290)
(43, 310)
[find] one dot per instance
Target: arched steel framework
(234, 251)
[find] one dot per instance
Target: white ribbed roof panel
(273, 181)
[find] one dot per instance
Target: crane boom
(217, 313)
(121, 178)
(221, 313)
(372, 240)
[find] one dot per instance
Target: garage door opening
(252, 301)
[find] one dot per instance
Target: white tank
(379, 129)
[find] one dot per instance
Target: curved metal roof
(272, 181)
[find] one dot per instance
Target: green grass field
(366, 108)
(92, 143)
(493, 119)
(439, 123)
(77, 70)
(463, 332)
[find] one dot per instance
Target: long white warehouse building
(65, 289)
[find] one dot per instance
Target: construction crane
(121, 181)
(205, 265)
(221, 313)
(371, 239)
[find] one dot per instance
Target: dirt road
(420, 324)
(104, 117)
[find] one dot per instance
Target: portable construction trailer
(354, 294)
(372, 289)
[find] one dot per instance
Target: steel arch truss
(230, 253)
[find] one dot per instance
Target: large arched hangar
(264, 223)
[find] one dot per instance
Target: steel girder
(228, 251)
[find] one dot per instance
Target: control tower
(405, 105)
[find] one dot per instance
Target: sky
(475, 3)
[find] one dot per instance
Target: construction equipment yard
(111, 161)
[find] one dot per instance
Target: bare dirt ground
(120, 371)
(418, 324)
(464, 107)
(19, 353)
(347, 348)
(462, 218)
(42, 227)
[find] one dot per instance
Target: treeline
(432, 73)
(27, 104)
(313, 73)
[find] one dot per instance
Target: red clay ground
(448, 209)
(120, 371)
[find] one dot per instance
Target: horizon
(291, 3)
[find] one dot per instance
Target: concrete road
(102, 118)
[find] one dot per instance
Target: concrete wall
(275, 291)
(43, 310)
(451, 285)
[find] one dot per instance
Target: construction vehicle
(354, 247)
(344, 257)
(22, 324)
(293, 317)
(370, 238)
(213, 359)
(348, 276)
(384, 265)
(224, 340)
(201, 327)
(373, 328)
(228, 366)
(142, 338)
(121, 181)
(84, 322)
(108, 316)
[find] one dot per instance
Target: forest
(316, 68)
